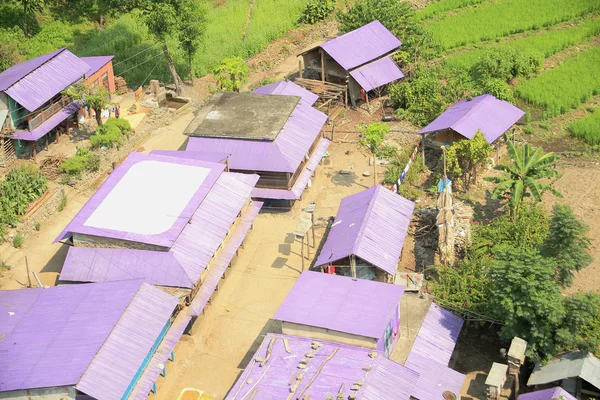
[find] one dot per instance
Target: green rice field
(587, 128)
(505, 17)
(563, 88)
(441, 6)
(547, 42)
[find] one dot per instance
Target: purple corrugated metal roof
(85, 264)
(362, 45)
(486, 113)
(119, 359)
(48, 125)
(189, 255)
(301, 181)
(193, 155)
(285, 88)
(431, 352)
(167, 238)
(547, 394)
(9, 76)
(339, 303)
(434, 378)
(377, 73)
(385, 379)
(284, 154)
(224, 258)
(41, 326)
(46, 81)
(95, 63)
(372, 225)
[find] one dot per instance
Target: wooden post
(227, 164)
(299, 68)
(346, 92)
(322, 65)
(289, 179)
(367, 98)
(302, 253)
(353, 266)
(28, 276)
(46, 142)
(307, 246)
(374, 169)
(332, 132)
(312, 220)
(34, 152)
(423, 147)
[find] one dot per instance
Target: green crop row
(587, 128)
(506, 17)
(435, 8)
(546, 42)
(563, 88)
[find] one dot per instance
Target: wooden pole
(312, 220)
(28, 276)
(299, 68)
(353, 266)
(302, 253)
(322, 65)
(374, 169)
(423, 147)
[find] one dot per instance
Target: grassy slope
(587, 128)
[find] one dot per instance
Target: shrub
(231, 74)
(106, 136)
(505, 63)
(587, 128)
(497, 88)
(122, 124)
(22, 185)
(421, 98)
(18, 241)
(4, 266)
(62, 204)
(317, 10)
(410, 192)
(528, 130)
(399, 163)
(38, 225)
(83, 160)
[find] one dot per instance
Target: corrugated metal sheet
(40, 326)
(77, 225)
(48, 125)
(568, 365)
(362, 45)
(284, 154)
(434, 378)
(431, 352)
(45, 82)
(339, 303)
(344, 368)
(119, 359)
(84, 264)
(193, 155)
(377, 73)
(95, 63)
(182, 265)
(284, 88)
(372, 225)
(486, 113)
(10, 76)
(207, 287)
(301, 181)
(547, 394)
(160, 358)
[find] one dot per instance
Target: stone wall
(43, 212)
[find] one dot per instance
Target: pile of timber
(325, 90)
(120, 85)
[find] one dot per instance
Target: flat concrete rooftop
(243, 116)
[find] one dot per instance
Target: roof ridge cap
(367, 215)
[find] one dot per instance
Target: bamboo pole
(28, 276)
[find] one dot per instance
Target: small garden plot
(565, 87)
(547, 43)
(587, 128)
(505, 18)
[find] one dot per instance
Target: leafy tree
(231, 74)
(192, 28)
(419, 100)
(317, 10)
(372, 137)
(523, 178)
(526, 297)
(581, 327)
(567, 244)
(465, 156)
(97, 98)
(399, 18)
(21, 185)
(30, 7)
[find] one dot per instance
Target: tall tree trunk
(25, 17)
(191, 69)
(374, 169)
(98, 115)
(174, 74)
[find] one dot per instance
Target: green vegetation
(96, 98)
(530, 174)
(563, 88)
(587, 128)
(441, 6)
(508, 17)
(18, 241)
(465, 156)
(231, 74)
(398, 160)
(62, 204)
(37, 226)
(83, 160)
(4, 266)
(22, 185)
(317, 10)
(546, 42)
(110, 134)
(372, 137)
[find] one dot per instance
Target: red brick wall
(98, 77)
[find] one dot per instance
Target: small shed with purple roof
(273, 132)
(343, 310)
(97, 340)
(289, 365)
(360, 59)
(175, 222)
(492, 116)
(367, 235)
(33, 110)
